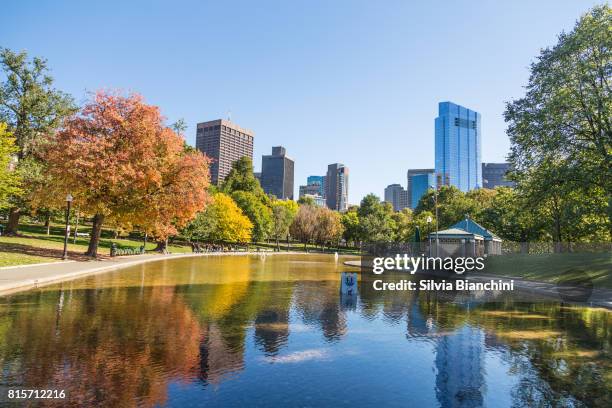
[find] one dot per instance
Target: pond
(276, 331)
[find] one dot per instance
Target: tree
(453, 205)
(283, 213)
(259, 214)
(563, 122)
(304, 224)
(32, 108)
(375, 221)
(403, 226)
(9, 178)
(306, 200)
(328, 228)
(350, 223)
(241, 178)
(222, 221)
(123, 165)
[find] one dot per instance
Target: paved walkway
(23, 277)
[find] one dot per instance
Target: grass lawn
(554, 267)
(35, 246)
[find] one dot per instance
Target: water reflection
(229, 331)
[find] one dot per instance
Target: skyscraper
(458, 146)
(336, 183)
(277, 174)
(422, 184)
(224, 142)
(419, 184)
(494, 174)
(396, 195)
(317, 181)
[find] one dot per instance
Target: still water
(276, 331)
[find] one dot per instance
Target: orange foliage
(118, 159)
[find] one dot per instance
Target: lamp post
(69, 199)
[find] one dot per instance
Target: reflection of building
(277, 174)
(217, 358)
(494, 175)
(272, 329)
(224, 142)
(458, 146)
(336, 183)
(460, 365)
(419, 181)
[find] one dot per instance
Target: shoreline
(33, 276)
(600, 297)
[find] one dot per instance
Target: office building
(419, 186)
(458, 146)
(336, 184)
(317, 181)
(277, 174)
(224, 143)
(494, 175)
(404, 200)
(394, 196)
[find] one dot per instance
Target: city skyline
(311, 68)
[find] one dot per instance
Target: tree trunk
(13, 221)
(94, 240)
(48, 223)
(162, 246)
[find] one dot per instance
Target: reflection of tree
(569, 348)
(101, 347)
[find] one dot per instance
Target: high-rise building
(277, 174)
(317, 181)
(458, 146)
(404, 200)
(419, 185)
(494, 174)
(336, 184)
(224, 142)
(394, 196)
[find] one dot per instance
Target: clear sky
(355, 82)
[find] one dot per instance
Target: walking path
(23, 277)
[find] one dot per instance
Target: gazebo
(492, 242)
(455, 242)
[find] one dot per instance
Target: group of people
(196, 247)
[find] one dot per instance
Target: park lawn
(554, 267)
(13, 258)
(35, 246)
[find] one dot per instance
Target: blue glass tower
(419, 184)
(458, 146)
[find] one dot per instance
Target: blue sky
(356, 82)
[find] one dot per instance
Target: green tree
(375, 222)
(308, 200)
(32, 108)
(241, 178)
(259, 213)
(350, 222)
(403, 225)
(563, 123)
(453, 205)
(9, 178)
(283, 213)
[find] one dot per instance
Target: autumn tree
(122, 164)
(9, 179)
(222, 221)
(32, 109)
(328, 227)
(303, 226)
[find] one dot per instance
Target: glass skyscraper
(419, 184)
(458, 146)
